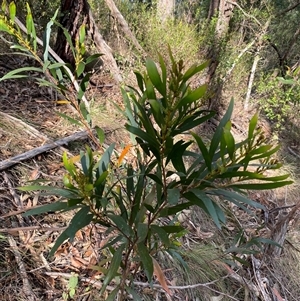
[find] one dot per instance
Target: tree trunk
(125, 28)
(213, 8)
(165, 9)
(225, 11)
(74, 13)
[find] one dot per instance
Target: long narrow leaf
(14, 73)
(204, 150)
(47, 34)
(146, 260)
(155, 77)
(53, 207)
(261, 186)
(219, 130)
(113, 268)
(81, 219)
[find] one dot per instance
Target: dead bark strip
(124, 25)
(103, 48)
(41, 149)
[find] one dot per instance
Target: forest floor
(29, 119)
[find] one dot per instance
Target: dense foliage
(174, 167)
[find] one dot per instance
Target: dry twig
(27, 289)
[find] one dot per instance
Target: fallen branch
(293, 152)
(41, 149)
(27, 289)
(31, 228)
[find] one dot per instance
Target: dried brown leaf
(160, 276)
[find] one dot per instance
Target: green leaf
(92, 58)
(54, 207)
(86, 160)
(81, 219)
(172, 229)
(73, 281)
(85, 113)
(5, 27)
(261, 186)
(113, 268)
(129, 181)
(113, 294)
(173, 196)
(176, 155)
(140, 81)
(100, 134)
(136, 207)
(15, 73)
(219, 130)
(192, 121)
(143, 135)
(68, 38)
(155, 77)
(260, 150)
(81, 33)
(70, 119)
(146, 260)
(80, 69)
(193, 70)
(204, 150)
(177, 256)
(200, 199)
(144, 118)
(31, 27)
(163, 69)
(287, 81)
(28, 20)
(156, 107)
(121, 203)
(142, 232)
(229, 139)
(150, 92)
(12, 11)
(192, 97)
(69, 165)
(252, 126)
(231, 195)
(133, 293)
(47, 35)
(121, 225)
(266, 154)
(162, 234)
(105, 159)
(174, 209)
(65, 193)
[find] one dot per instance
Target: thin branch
(246, 14)
(17, 201)
(293, 152)
(238, 58)
(251, 80)
(293, 41)
(288, 9)
(31, 228)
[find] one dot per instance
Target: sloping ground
(28, 120)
